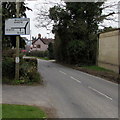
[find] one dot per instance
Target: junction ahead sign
(17, 26)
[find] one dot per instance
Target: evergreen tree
(76, 28)
(51, 50)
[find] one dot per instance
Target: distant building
(41, 44)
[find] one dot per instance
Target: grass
(43, 58)
(97, 68)
(21, 111)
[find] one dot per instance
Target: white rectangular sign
(17, 26)
(17, 59)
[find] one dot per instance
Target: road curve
(78, 95)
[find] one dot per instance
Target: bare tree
(42, 14)
(109, 9)
(110, 14)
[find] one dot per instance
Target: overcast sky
(39, 4)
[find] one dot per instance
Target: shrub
(8, 53)
(38, 53)
(8, 69)
(34, 76)
(75, 51)
(32, 61)
(28, 71)
(11, 53)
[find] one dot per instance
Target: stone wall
(109, 50)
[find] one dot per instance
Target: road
(79, 95)
(72, 93)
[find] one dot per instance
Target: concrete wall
(43, 47)
(109, 50)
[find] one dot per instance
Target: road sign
(17, 59)
(17, 26)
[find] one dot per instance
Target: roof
(33, 41)
(46, 41)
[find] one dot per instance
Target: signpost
(17, 26)
(17, 45)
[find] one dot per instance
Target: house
(109, 50)
(41, 44)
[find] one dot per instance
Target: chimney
(39, 35)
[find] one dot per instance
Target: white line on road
(100, 93)
(75, 79)
(63, 72)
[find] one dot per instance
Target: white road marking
(75, 79)
(63, 72)
(100, 93)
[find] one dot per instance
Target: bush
(8, 53)
(38, 53)
(76, 52)
(11, 53)
(34, 76)
(31, 61)
(28, 71)
(8, 69)
(8, 65)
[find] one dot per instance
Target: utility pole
(17, 45)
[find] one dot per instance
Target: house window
(38, 46)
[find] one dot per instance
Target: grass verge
(22, 111)
(43, 58)
(97, 68)
(97, 71)
(100, 72)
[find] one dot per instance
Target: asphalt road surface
(72, 93)
(78, 95)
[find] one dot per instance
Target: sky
(37, 5)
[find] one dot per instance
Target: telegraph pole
(17, 45)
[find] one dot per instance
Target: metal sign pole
(17, 45)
